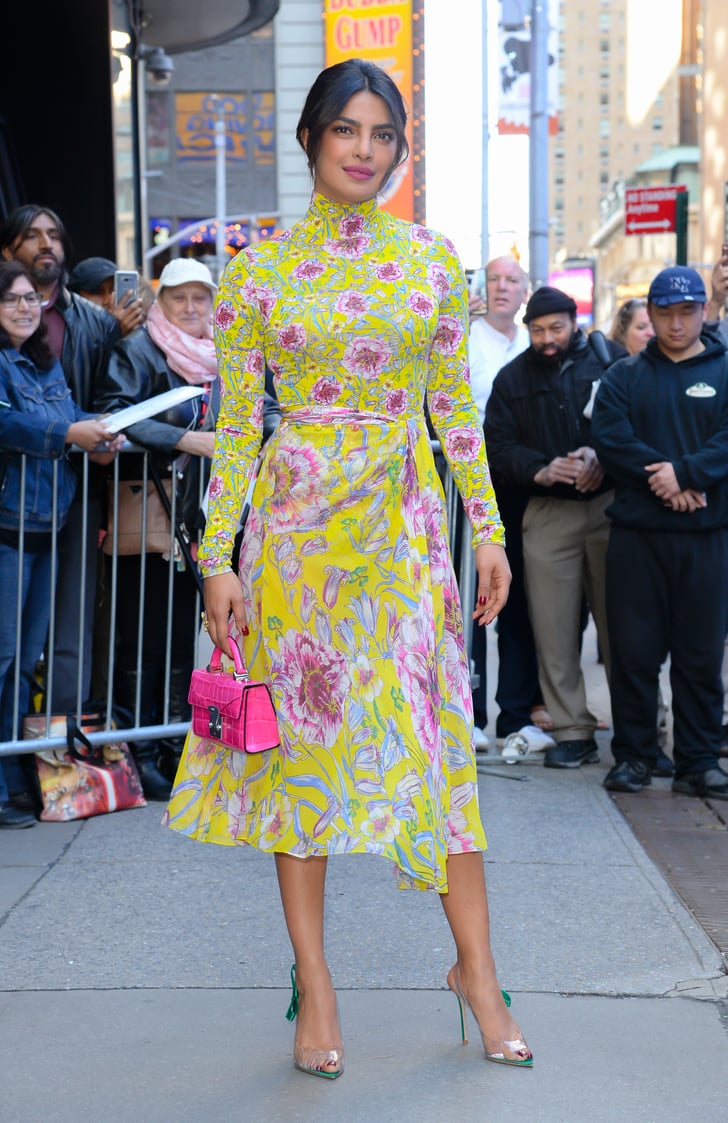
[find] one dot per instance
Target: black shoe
(571, 754)
(154, 785)
(663, 766)
(712, 784)
(13, 819)
(628, 776)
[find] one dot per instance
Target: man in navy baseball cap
(676, 285)
(660, 427)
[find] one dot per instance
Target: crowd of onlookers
(609, 457)
(70, 354)
(610, 462)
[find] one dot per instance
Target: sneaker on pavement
(712, 784)
(628, 776)
(523, 743)
(571, 754)
(481, 740)
(14, 819)
(663, 766)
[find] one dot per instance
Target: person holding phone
(96, 279)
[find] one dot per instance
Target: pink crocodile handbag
(230, 709)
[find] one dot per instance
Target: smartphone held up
(126, 286)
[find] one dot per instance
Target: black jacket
(90, 334)
(535, 414)
(650, 409)
(138, 370)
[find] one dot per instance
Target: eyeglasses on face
(13, 299)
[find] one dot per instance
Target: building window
(604, 129)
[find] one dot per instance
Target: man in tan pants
(539, 441)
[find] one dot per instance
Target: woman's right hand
(89, 435)
(223, 595)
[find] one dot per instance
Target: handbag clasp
(215, 724)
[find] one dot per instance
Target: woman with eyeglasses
(39, 421)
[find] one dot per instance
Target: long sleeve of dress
(239, 430)
(454, 412)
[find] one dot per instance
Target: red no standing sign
(651, 210)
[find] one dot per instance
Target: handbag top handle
(215, 664)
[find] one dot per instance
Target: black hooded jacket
(650, 409)
(536, 413)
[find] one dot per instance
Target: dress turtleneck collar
(341, 220)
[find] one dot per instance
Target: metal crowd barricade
(460, 542)
(110, 733)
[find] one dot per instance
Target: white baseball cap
(182, 270)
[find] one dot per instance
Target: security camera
(158, 65)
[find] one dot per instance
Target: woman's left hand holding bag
(224, 598)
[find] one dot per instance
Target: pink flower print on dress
(396, 401)
(255, 362)
(478, 511)
(421, 234)
(463, 443)
(265, 298)
(216, 487)
(440, 404)
(389, 271)
(309, 270)
(312, 681)
(438, 278)
(296, 498)
(326, 391)
(256, 415)
(366, 357)
(448, 336)
(416, 659)
(224, 315)
(351, 248)
(351, 225)
(292, 337)
(352, 304)
(421, 303)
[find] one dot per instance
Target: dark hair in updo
(332, 90)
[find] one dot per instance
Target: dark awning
(186, 25)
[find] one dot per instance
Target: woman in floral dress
(347, 602)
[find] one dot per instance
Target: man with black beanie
(539, 442)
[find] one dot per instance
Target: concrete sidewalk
(143, 977)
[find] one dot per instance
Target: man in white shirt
(495, 339)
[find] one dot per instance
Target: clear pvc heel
(327, 1063)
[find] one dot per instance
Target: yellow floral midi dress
(353, 609)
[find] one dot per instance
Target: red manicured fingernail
(246, 631)
(482, 600)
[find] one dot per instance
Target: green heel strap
(293, 1008)
(506, 997)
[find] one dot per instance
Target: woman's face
(188, 307)
(357, 151)
(18, 317)
(639, 332)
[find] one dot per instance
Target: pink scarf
(192, 359)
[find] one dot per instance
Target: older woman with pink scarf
(175, 349)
